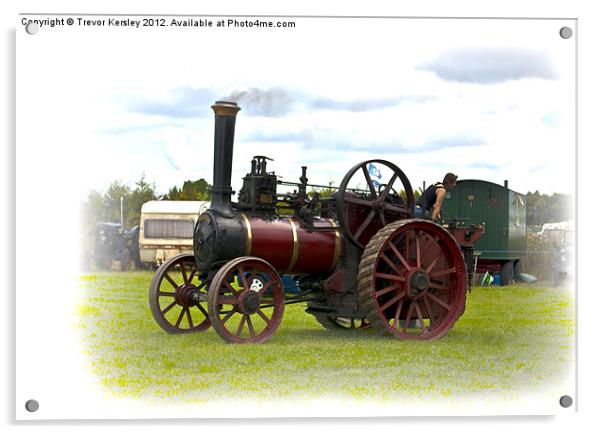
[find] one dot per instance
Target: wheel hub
(185, 295)
(419, 282)
(378, 205)
(250, 302)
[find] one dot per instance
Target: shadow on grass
(457, 336)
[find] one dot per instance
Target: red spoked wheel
(412, 280)
(178, 297)
(365, 205)
(246, 301)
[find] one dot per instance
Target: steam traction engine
(358, 256)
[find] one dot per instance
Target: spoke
(228, 316)
(416, 233)
(396, 209)
(408, 317)
(263, 316)
(251, 329)
(420, 320)
(403, 261)
(202, 309)
(438, 285)
(168, 308)
(358, 201)
(389, 185)
(438, 301)
(429, 311)
(189, 317)
(386, 290)
(243, 279)
(393, 300)
(381, 215)
(170, 280)
(180, 318)
(364, 225)
(266, 285)
(183, 273)
(428, 249)
(191, 275)
(369, 181)
(166, 294)
(241, 325)
(397, 314)
(389, 277)
(440, 273)
(252, 278)
(391, 264)
(229, 286)
(430, 267)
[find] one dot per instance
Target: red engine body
(291, 248)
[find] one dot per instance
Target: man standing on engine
(431, 201)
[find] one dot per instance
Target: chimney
(223, 145)
(505, 183)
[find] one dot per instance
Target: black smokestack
(225, 120)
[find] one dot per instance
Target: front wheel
(246, 301)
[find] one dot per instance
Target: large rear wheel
(413, 270)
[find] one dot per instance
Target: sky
(485, 99)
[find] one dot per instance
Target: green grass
(509, 340)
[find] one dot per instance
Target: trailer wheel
(518, 267)
(249, 312)
(506, 273)
(178, 297)
(413, 270)
(337, 323)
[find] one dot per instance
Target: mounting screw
(32, 405)
(566, 32)
(566, 401)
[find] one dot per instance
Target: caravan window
(164, 228)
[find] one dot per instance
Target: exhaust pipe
(223, 148)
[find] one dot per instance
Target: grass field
(510, 340)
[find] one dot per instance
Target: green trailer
(503, 211)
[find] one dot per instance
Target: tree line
(544, 208)
(106, 207)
